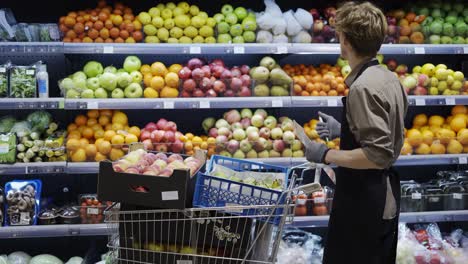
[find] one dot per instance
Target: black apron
(357, 233)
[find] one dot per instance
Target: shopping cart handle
(309, 188)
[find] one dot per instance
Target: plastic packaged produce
(264, 36)
(304, 18)
(23, 81)
(4, 80)
(22, 33)
(45, 259)
(293, 27)
(302, 37)
(49, 32)
(19, 257)
(7, 148)
(300, 247)
(23, 202)
(280, 39)
(272, 8)
(280, 26)
(265, 21)
(6, 20)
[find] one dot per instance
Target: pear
(260, 74)
(278, 91)
(268, 62)
(261, 90)
(279, 77)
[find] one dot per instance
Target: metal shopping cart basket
(216, 235)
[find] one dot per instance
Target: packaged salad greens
(22, 202)
(7, 19)
(23, 81)
(4, 80)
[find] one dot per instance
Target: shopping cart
(216, 235)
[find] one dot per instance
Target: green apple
(238, 39)
(191, 31)
(198, 39)
(185, 40)
(249, 24)
(417, 69)
(458, 76)
(194, 10)
(206, 31)
(166, 13)
(163, 34)
(124, 79)
(92, 83)
(433, 91)
(236, 30)
(185, 6)
(81, 75)
(224, 38)
(151, 39)
(154, 12)
(434, 82)
(100, 93)
(458, 40)
(110, 69)
(172, 40)
(171, 5)
(231, 19)
(79, 84)
(87, 93)
(157, 22)
(176, 32)
(223, 27)
(67, 84)
(442, 86)
(182, 21)
(227, 9)
(137, 77)
(211, 22)
(150, 30)
(144, 18)
(457, 85)
(92, 69)
(169, 23)
(198, 21)
(108, 81)
(446, 40)
(161, 6)
(218, 18)
(121, 70)
(132, 63)
(72, 93)
(118, 93)
(210, 40)
(450, 80)
(178, 11)
(441, 74)
(203, 15)
(434, 39)
(134, 90)
(249, 36)
(240, 12)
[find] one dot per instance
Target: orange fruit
(104, 120)
(91, 122)
(104, 147)
(130, 138)
(189, 136)
(81, 128)
(99, 134)
(135, 131)
(462, 136)
(79, 155)
(420, 120)
(71, 127)
(120, 118)
(91, 150)
(147, 77)
(168, 92)
(414, 137)
(197, 141)
(423, 149)
(100, 157)
(445, 135)
(158, 69)
(117, 140)
(172, 79)
(175, 68)
(188, 146)
(454, 147)
(117, 126)
(74, 134)
(106, 112)
(459, 109)
(108, 127)
(84, 142)
(458, 123)
(72, 144)
(88, 133)
(93, 114)
(428, 136)
(81, 120)
(145, 68)
(96, 127)
(436, 120)
(157, 83)
(437, 148)
(150, 93)
(109, 134)
(116, 154)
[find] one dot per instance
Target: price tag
(332, 102)
(282, 50)
(30, 72)
(457, 196)
(93, 105)
(239, 50)
(168, 105)
(108, 49)
(419, 50)
(170, 196)
(416, 196)
(450, 101)
(277, 103)
(195, 50)
(92, 211)
(420, 102)
(204, 104)
(2, 70)
(462, 160)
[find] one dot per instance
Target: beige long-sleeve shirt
(376, 108)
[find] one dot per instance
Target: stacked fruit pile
(310, 131)
(325, 80)
(182, 23)
(98, 82)
(102, 24)
(248, 134)
(99, 135)
(324, 22)
(193, 143)
(430, 79)
(438, 135)
(408, 25)
(214, 79)
(235, 25)
(162, 136)
(269, 79)
(160, 81)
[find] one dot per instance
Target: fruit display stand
(64, 180)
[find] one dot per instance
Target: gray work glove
(314, 151)
(329, 128)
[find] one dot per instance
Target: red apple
(170, 126)
(318, 26)
(213, 132)
(157, 136)
(185, 73)
(161, 123)
(145, 134)
(392, 64)
(219, 86)
(401, 69)
(244, 92)
(207, 71)
(315, 14)
(229, 93)
(245, 69)
(420, 91)
(148, 144)
(236, 84)
(217, 71)
(236, 72)
(169, 136)
(186, 94)
(177, 146)
(197, 74)
(246, 80)
(160, 147)
(151, 127)
(226, 75)
(194, 63)
(219, 62)
(206, 83)
(211, 93)
(198, 93)
(189, 85)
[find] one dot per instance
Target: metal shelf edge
(53, 231)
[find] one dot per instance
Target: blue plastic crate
(211, 191)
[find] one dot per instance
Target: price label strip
(277, 103)
(204, 104)
(420, 102)
(168, 105)
(462, 160)
(450, 101)
(419, 50)
(195, 50)
(93, 105)
(239, 50)
(108, 50)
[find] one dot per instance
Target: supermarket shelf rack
(53, 231)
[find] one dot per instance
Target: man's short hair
(364, 26)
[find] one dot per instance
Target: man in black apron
(364, 218)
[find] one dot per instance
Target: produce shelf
(31, 103)
(179, 103)
(53, 231)
(254, 48)
(413, 217)
(33, 168)
(82, 167)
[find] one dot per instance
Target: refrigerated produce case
(64, 181)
